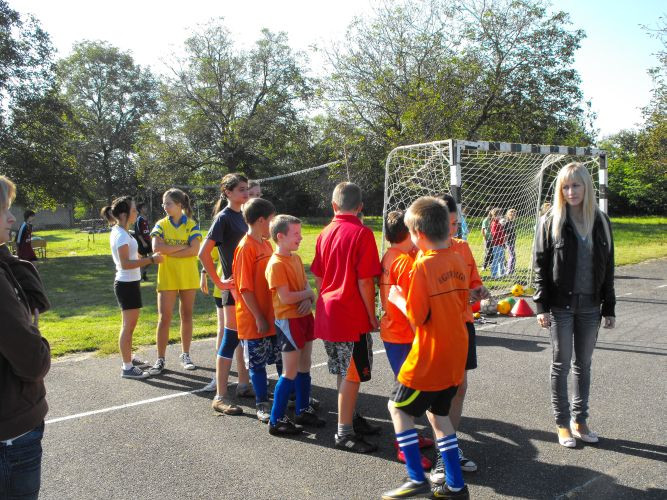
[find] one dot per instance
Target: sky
(613, 60)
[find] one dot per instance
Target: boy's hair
(140, 206)
(451, 203)
(7, 193)
(395, 229)
(28, 213)
(347, 196)
(280, 225)
(495, 212)
(256, 208)
(252, 184)
(429, 216)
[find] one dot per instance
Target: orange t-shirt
(396, 268)
(462, 248)
(282, 270)
(436, 305)
(248, 269)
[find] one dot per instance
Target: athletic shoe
(134, 372)
(309, 418)
(425, 442)
(157, 368)
(426, 462)
(355, 444)
(186, 361)
(314, 403)
(466, 464)
(284, 427)
(407, 490)
(137, 361)
(362, 426)
(212, 386)
(263, 412)
(244, 391)
(443, 491)
(437, 475)
(224, 405)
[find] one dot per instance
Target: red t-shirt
(345, 253)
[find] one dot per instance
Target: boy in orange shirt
(428, 380)
(395, 330)
(295, 327)
(461, 247)
(254, 307)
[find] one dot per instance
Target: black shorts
(227, 299)
(416, 403)
(471, 362)
(128, 294)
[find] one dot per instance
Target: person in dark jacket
(574, 289)
(24, 248)
(25, 358)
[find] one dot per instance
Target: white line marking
(148, 401)
(661, 286)
(578, 489)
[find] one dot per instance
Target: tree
(110, 98)
(230, 109)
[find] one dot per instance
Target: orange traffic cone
(521, 309)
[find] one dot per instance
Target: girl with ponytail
(177, 236)
(124, 250)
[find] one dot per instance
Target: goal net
(516, 180)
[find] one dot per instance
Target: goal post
(482, 175)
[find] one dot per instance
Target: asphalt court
(112, 438)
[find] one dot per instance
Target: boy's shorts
(471, 362)
(226, 299)
(293, 333)
(396, 354)
(416, 403)
(351, 360)
(261, 352)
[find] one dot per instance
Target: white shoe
(186, 361)
(212, 386)
(591, 437)
(568, 442)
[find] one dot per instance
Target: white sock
(127, 366)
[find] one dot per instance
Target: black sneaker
(443, 491)
(355, 444)
(309, 418)
(315, 403)
(284, 427)
(362, 426)
(409, 489)
(438, 472)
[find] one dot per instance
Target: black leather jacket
(555, 262)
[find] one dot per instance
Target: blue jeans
(498, 262)
(572, 330)
(21, 466)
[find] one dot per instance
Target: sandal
(589, 437)
(567, 441)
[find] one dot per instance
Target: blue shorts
(261, 352)
(396, 353)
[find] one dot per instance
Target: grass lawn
(79, 278)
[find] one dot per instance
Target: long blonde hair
(578, 172)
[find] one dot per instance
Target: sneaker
(362, 426)
(443, 491)
(355, 444)
(263, 412)
(157, 368)
(407, 490)
(425, 442)
(437, 475)
(426, 462)
(186, 361)
(225, 406)
(137, 361)
(284, 427)
(314, 403)
(244, 391)
(309, 418)
(466, 464)
(212, 386)
(134, 372)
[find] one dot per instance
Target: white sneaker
(212, 386)
(186, 361)
(467, 465)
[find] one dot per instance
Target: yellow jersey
(177, 273)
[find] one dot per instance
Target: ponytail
(218, 205)
(121, 205)
(105, 213)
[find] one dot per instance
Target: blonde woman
(574, 289)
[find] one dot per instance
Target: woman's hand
(227, 284)
(158, 258)
(609, 322)
(203, 283)
(543, 320)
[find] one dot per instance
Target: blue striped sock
(408, 441)
(449, 449)
(280, 396)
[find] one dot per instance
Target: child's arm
(288, 297)
(397, 297)
(251, 301)
(127, 263)
(190, 250)
(367, 290)
(209, 267)
(479, 293)
(159, 246)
